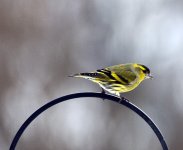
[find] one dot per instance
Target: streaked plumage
(119, 78)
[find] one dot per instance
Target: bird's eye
(144, 71)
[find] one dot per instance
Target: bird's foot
(103, 92)
(123, 99)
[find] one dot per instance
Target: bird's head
(144, 70)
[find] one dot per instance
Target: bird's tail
(84, 75)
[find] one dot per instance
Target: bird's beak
(149, 76)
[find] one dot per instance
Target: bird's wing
(123, 73)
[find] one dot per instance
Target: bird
(119, 78)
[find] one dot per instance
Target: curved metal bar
(89, 94)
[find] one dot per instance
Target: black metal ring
(89, 94)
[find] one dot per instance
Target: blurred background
(42, 42)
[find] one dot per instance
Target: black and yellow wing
(123, 73)
(119, 74)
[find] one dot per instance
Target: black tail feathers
(89, 74)
(84, 74)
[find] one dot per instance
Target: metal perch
(89, 94)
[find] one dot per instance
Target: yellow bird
(119, 78)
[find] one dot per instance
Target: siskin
(119, 78)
